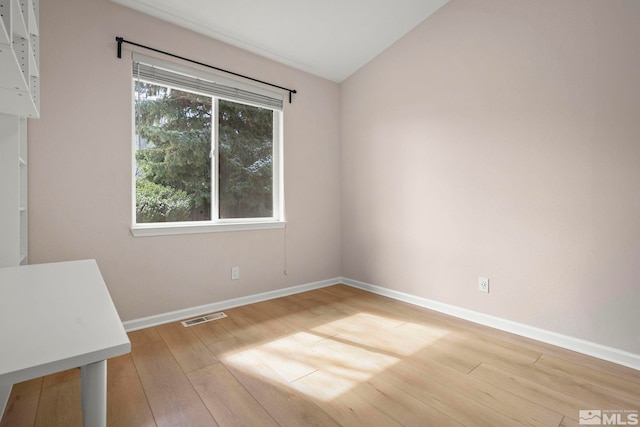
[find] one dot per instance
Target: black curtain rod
(121, 40)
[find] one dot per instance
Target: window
(206, 152)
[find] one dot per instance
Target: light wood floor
(335, 356)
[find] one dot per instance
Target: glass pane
(245, 145)
(173, 146)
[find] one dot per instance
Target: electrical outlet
(235, 273)
(483, 284)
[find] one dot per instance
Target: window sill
(141, 230)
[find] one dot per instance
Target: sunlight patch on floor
(324, 367)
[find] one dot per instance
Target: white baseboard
(159, 319)
(599, 351)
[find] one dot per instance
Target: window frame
(277, 220)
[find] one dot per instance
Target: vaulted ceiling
(329, 38)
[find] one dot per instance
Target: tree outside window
(201, 158)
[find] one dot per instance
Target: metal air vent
(203, 319)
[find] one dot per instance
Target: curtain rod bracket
(121, 40)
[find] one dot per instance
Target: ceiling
(329, 38)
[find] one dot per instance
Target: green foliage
(157, 203)
(174, 137)
(174, 131)
(246, 161)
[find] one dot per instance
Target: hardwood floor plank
(278, 309)
(227, 400)
(285, 306)
(350, 360)
(375, 304)
(288, 407)
(349, 322)
(346, 407)
(401, 405)
(23, 404)
(289, 314)
(568, 422)
(186, 347)
(550, 398)
(448, 355)
(241, 328)
(344, 291)
(300, 317)
(474, 348)
(487, 394)
(603, 366)
(270, 326)
(171, 396)
(60, 405)
(577, 387)
(490, 348)
(144, 336)
(286, 356)
(225, 348)
(61, 377)
(211, 332)
(126, 401)
(314, 304)
(309, 338)
(466, 411)
(612, 383)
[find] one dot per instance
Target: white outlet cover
(235, 273)
(483, 284)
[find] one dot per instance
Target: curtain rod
(121, 40)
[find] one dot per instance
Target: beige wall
(502, 139)
(499, 138)
(80, 169)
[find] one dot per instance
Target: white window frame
(215, 224)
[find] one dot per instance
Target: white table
(55, 317)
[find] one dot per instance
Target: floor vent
(203, 319)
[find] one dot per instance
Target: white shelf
(4, 31)
(19, 26)
(19, 58)
(19, 99)
(14, 209)
(32, 22)
(11, 75)
(12, 101)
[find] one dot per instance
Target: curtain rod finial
(119, 40)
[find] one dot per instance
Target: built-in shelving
(10, 190)
(19, 58)
(19, 100)
(23, 206)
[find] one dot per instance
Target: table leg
(93, 380)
